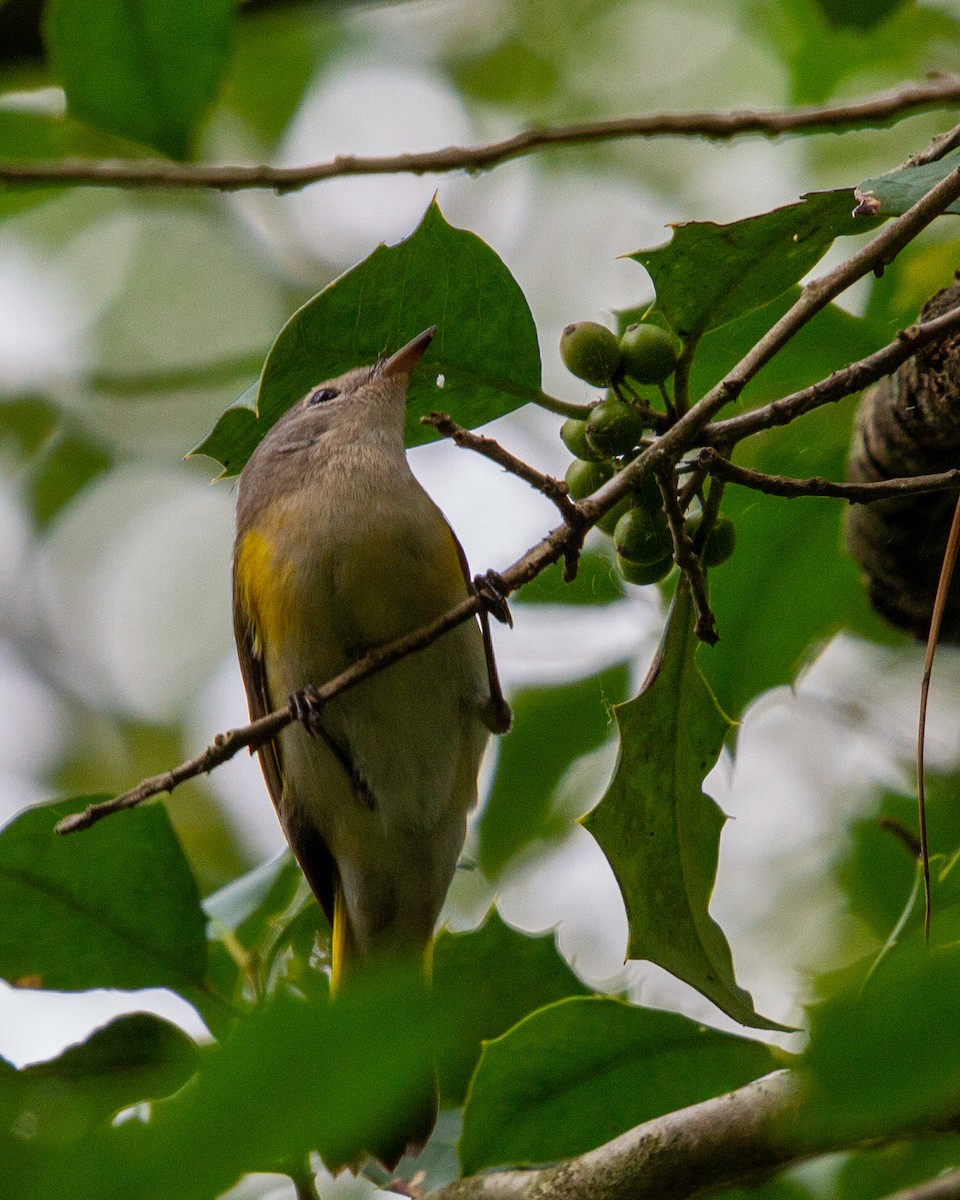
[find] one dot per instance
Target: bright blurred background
(128, 321)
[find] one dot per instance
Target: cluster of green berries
(609, 437)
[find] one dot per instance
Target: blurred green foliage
(181, 297)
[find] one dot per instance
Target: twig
(871, 111)
(736, 1139)
(565, 540)
(687, 559)
(876, 254)
(936, 620)
(856, 493)
(554, 489)
(940, 146)
(841, 383)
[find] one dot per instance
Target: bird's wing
(310, 849)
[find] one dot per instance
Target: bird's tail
(411, 1134)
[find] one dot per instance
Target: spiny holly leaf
(75, 927)
(490, 978)
(709, 274)
(485, 350)
(899, 190)
(584, 1070)
(143, 69)
(660, 832)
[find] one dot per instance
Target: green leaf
(135, 1057)
(709, 274)
(247, 906)
(885, 1054)
(660, 832)
(76, 926)
(144, 69)
(584, 1070)
(292, 1078)
(858, 14)
(552, 726)
(879, 1172)
(485, 348)
(276, 54)
(899, 190)
(597, 582)
(490, 978)
(70, 460)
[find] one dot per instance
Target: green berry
(573, 434)
(720, 543)
(643, 573)
(648, 353)
(642, 535)
(609, 521)
(591, 352)
(613, 427)
(585, 477)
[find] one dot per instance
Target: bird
(339, 550)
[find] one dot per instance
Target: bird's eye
(321, 395)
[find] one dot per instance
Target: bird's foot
(306, 706)
(492, 592)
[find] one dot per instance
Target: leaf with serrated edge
(709, 274)
(901, 189)
(485, 349)
(660, 832)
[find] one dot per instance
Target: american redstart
(338, 550)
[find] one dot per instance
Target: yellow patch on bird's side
(265, 587)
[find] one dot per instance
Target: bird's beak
(401, 364)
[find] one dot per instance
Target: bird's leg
(492, 593)
(307, 708)
(497, 715)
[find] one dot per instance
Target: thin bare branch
(554, 489)
(878, 253)
(846, 381)
(870, 112)
(856, 493)
(936, 620)
(565, 540)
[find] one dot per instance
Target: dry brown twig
(869, 112)
(565, 539)
(562, 540)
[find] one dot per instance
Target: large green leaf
(577, 1073)
(884, 1052)
(136, 1057)
(660, 832)
(115, 906)
(485, 348)
(143, 69)
(292, 1078)
(490, 978)
(709, 274)
(552, 726)
(899, 190)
